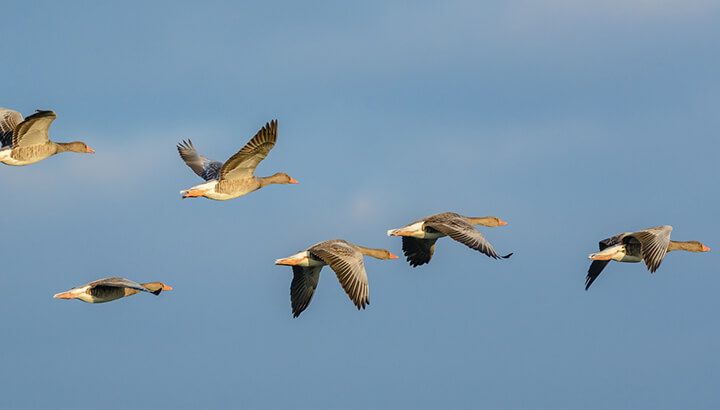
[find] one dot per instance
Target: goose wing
(347, 263)
(34, 130)
(654, 243)
(205, 168)
(9, 120)
(117, 282)
(596, 267)
(464, 232)
(418, 251)
(243, 163)
(302, 288)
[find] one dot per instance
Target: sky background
(572, 120)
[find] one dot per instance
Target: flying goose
(109, 289)
(345, 258)
(649, 245)
(25, 142)
(236, 177)
(418, 238)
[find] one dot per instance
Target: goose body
(109, 289)
(648, 245)
(344, 258)
(419, 237)
(26, 141)
(236, 177)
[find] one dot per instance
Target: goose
(649, 245)
(26, 141)
(236, 177)
(418, 238)
(109, 289)
(345, 258)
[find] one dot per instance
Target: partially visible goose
(418, 238)
(109, 289)
(649, 245)
(345, 258)
(25, 142)
(236, 177)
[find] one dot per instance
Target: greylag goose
(236, 177)
(418, 238)
(25, 142)
(345, 258)
(109, 289)
(649, 245)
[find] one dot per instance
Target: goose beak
(705, 249)
(89, 150)
(501, 222)
(64, 295)
(166, 287)
(294, 181)
(392, 256)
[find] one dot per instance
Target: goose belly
(630, 259)
(7, 159)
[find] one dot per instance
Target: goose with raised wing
(344, 258)
(26, 141)
(236, 177)
(419, 237)
(648, 245)
(109, 289)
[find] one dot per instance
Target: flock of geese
(25, 141)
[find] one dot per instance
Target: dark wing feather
(34, 130)
(9, 120)
(418, 251)
(347, 263)
(302, 288)
(205, 168)
(243, 163)
(596, 267)
(119, 283)
(464, 232)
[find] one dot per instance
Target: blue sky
(571, 120)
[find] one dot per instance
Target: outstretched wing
(243, 163)
(418, 251)
(654, 243)
(465, 233)
(9, 120)
(347, 263)
(34, 130)
(117, 282)
(596, 267)
(302, 288)
(203, 167)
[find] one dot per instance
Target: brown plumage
(648, 245)
(419, 237)
(27, 141)
(344, 258)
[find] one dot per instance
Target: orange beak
(64, 295)
(166, 287)
(294, 181)
(502, 223)
(89, 150)
(392, 255)
(705, 249)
